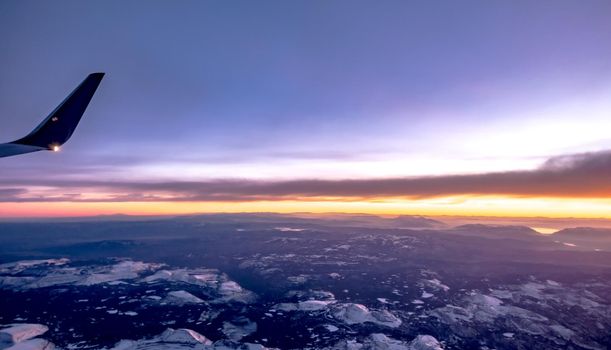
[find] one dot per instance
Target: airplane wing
(57, 128)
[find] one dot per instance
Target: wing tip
(97, 75)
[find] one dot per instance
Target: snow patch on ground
(331, 328)
(27, 275)
(181, 297)
(436, 284)
(33, 344)
(239, 328)
(379, 341)
(478, 310)
(301, 279)
(18, 266)
(22, 336)
(16, 333)
(351, 313)
(179, 339)
(200, 277)
(308, 305)
(482, 308)
(288, 229)
(550, 293)
(124, 270)
(312, 300)
(169, 339)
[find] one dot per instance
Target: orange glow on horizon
(459, 206)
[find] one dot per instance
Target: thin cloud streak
(585, 175)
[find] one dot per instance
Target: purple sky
(287, 90)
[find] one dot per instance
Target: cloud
(585, 175)
(9, 194)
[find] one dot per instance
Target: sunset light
(305, 175)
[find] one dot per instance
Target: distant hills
(496, 231)
(585, 237)
(588, 238)
(585, 233)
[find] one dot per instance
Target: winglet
(57, 128)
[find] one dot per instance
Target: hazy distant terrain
(281, 281)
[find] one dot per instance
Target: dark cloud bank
(585, 175)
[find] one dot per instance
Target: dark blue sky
(307, 89)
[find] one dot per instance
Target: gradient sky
(429, 107)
